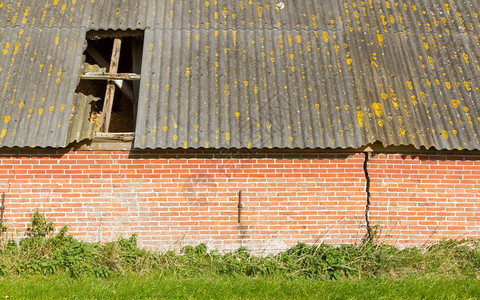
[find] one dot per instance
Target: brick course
(176, 198)
(418, 199)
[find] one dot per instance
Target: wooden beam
(97, 57)
(102, 34)
(110, 76)
(110, 93)
(114, 136)
(125, 88)
(102, 62)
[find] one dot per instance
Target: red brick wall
(420, 198)
(171, 198)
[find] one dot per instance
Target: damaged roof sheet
(38, 77)
(256, 74)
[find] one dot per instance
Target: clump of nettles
(39, 226)
(45, 253)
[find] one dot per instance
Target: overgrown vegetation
(44, 253)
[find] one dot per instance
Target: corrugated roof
(96, 15)
(417, 89)
(246, 88)
(38, 77)
(263, 73)
(427, 16)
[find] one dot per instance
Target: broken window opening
(111, 73)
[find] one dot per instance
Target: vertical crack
(369, 234)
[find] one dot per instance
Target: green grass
(156, 286)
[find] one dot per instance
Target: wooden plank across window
(110, 76)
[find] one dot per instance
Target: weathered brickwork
(176, 198)
(420, 198)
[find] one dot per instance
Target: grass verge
(157, 286)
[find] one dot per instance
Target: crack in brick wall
(369, 234)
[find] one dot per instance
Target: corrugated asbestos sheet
(90, 14)
(256, 74)
(246, 88)
(38, 77)
(313, 74)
